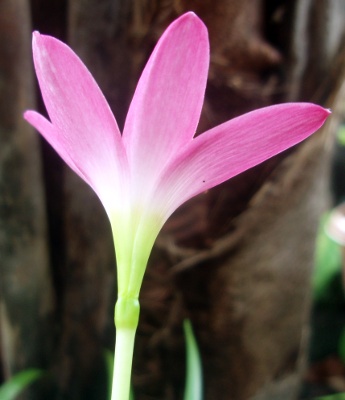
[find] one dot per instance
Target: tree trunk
(236, 260)
(26, 298)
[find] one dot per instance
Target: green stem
(126, 322)
(122, 364)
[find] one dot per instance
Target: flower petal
(233, 147)
(52, 136)
(84, 131)
(166, 106)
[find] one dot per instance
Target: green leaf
(131, 394)
(193, 389)
(14, 386)
(109, 366)
(341, 347)
(339, 396)
(327, 263)
(341, 135)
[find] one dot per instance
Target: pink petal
(166, 106)
(233, 147)
(84, 131)
(52, 136)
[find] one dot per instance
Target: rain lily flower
(157, 164)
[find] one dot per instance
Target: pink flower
(143, 175)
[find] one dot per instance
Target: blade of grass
(10, 389)
(193, 389)
(109, 366)
(338, 396)
(327, 263)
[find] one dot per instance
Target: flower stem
(126, 322)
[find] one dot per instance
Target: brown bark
(236, 260)
(26, 297)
